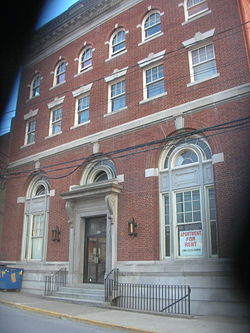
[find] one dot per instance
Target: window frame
(58, 74)
(112, 98)
(30, 212)
(145, 38)
(77, 111)
(170, 238)
(29, 132)
(198, 47)
(146, 85)
(34, 87)
(113, 53)
(197, 14)
(52, 122)
(81, 61)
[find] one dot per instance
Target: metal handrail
(179, 300)
(54, 281)
(173, 299)
(110, 284)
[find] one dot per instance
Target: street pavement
(126, 320)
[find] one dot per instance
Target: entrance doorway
(95, 250)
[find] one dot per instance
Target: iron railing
(111, 285)
(173, 299)
(54, 281)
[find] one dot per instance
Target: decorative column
(111, 201)
(70, 209)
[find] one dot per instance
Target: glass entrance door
(95, 250)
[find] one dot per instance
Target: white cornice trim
(56, 102)
(152, 57)
(198, 37)
(30, 114)
(79, 32)
(82, 90)
(116, 74)
(189, 107)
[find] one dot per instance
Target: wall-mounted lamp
(56, 234)
(131, 228)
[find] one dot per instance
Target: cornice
(71, 24)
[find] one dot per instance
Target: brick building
(133, 114)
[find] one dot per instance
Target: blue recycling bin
(11, 278)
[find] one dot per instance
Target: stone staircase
(89, 294)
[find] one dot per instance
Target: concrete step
(81, 294)
(74, 300)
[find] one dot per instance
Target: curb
(73, 318)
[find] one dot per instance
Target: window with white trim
(35, 86)
(202, 63)
(117, 96)
(151, 25)
(195, 7)
(35, 220)
(118, 42)
(188, 201)
(56, 121)
(82, 111)
(60, 73)
(86, 59)
(30, 131)
(154, 81)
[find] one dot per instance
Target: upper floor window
(118, 96)
(202, 62)
(152, 24)
(56, 121)
(118, 42)
(186, 157)
(154, 81)
(35, 86)
(60, 73)
(30, 131)
(83, 109)
(86, 59)
(195, 7)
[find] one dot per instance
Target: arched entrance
(92, 216)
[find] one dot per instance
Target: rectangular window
(167, 225)
(203, 63)
(154, 81)
(83, 109)
(188, 223)
(30, 131)
(34, 237)
(56, 121)
(212, 220)
(118, 97)
(195, 7)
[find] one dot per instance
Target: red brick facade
(139, 197)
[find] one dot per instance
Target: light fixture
(56, 234)
(131, 228)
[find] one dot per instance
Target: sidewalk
(128, 321)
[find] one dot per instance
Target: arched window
(152, 24)
(35, 220)
(118, 42)
(188, 201)
(98, 171)
(101, 176)
(60, 73)
(86, 59)
(35, 86)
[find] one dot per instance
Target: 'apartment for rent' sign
(190, 243)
